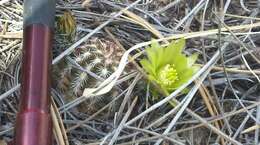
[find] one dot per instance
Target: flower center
(168, 75)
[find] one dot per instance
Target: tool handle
(33, 122)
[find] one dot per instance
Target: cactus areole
(33, 122)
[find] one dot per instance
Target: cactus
(100, 56)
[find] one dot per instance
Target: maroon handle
(33, 123)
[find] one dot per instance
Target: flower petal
(147, 66)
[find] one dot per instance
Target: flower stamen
(168, 75)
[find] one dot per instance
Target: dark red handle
(33, 122)
(33, 125)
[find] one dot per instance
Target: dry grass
(222, 106)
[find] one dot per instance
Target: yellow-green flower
(168, 66)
